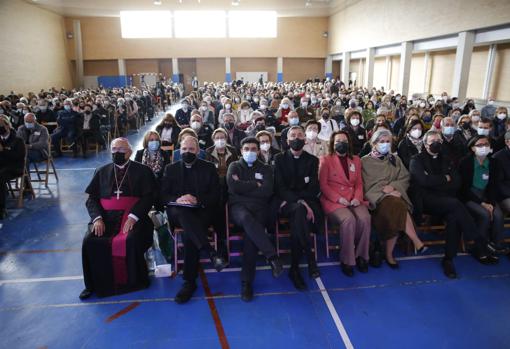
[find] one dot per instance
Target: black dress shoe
(485, 258)
(246, 291)
(276, 266)
(297, 279)
(3, 214)
(313, 269)
(375, 259)
(86, 293)
(219, 263)
(186, 292)
(392, 265)
(362, 265)
(449, 268)
(347, 270)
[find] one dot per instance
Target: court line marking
(237, 295)
(334, 314)
(77, 169)
(228, 270)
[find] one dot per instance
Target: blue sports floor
(413, 307)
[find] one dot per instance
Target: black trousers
(6, 174)
(458, 220)
(253, 222)
(299, 232)
(195, 223)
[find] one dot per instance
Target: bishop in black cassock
(120, 196)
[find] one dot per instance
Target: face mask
(67, 107)
(297, 144)
(482, 131)
(491, 102)
(325, 116)
(265, 146)
(263, 107)
(188, 157)
(448, 130)
(229, 125)
(355, 122)
(383, 148)
(196, 125)
(293, 121)
(304, 104)
(87, 112)
(445, 98)
(422, 105)
(249, 157)
(255, 99)
(220, 143)
(119, 158)
(29, 125)
(203, 108)
(466, 125)
(43, 108)
(285, 106)
(153, 145)
(227, 106)
(342, 148)
(260, 127)
(311, 134)
(416, 133)
(185, 107)
(427, 118)
(501, 116)
(475, 118)
(435, 147)
(483, 151)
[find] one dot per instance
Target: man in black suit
(12, 158)
(297, 188)
(194, 183)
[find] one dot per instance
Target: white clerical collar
(6, 136)
(122, 166)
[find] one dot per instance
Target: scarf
(154, 161)
(376, 155)
(418, 143)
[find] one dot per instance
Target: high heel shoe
(421, 250)
(392, 265)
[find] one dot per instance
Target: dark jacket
(406, 150)
(12, 156)
(502, 180)
(175, 133)
(358, 138)
(37, 138)
(246, 191)
(236, 138)
(454, 149)
(206, 186)
(466, 170)
(272, 154)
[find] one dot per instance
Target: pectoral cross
(118, 192)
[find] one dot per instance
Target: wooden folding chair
(47, 171)
(19, 185)
(285, 233)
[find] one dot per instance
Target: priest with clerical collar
(120, 197)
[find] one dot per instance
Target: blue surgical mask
(153, 145)
(448, 130)
(383, 148)
(29, 125)
(249, 157)
(67, 107)
(293, 121)
(483, 131)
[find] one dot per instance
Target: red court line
(214, 311)
(3, 253)
(123, 311)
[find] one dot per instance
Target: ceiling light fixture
(157, 2)
(308, 4)
(236, 2)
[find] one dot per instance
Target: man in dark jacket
(68, 127)
(12, 158)
(36, 138)
(297, 188)
(191, 190)
(436, 182)
(250, 187)
(503, 174)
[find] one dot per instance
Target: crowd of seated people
(362, 158)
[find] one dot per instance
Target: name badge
(201, 142)
(307, 180)
(361, 137)
(37, 133)
(485, 177)
(259, 176)
(352, 168)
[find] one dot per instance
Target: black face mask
(260, 127)
(325, 116)
(466, 125)
(297, 144)
(229, 125)
(3, 131)
(435, 147)
(167, 125)
(119, 158)
(342, 148)
(188, 157)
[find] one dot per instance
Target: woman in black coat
(168, 130)
(412, 143)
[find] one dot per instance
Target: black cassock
(114, 263)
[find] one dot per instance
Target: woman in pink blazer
(342, 200)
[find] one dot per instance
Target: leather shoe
(246, 291)
(449, 268)
(375, 259)
(362, 265)
(219, 263)
(86, 293)
(297, 279)
(186, 292)
(313, 269)
(347, 270)
(276, 266)
(392, 265)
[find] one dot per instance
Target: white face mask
(483, 151)
(501, 116)
(416, 133)
(204, 108)
(285, 106)
(482, 131)
(355, 122)
(383, 148)
(196, 125)
(475, 118)
(304, 104)
(227, 106)
(263, 107)
(265, 146)
(422, 105)
(491, 102)
(311, 134)
(220, 143)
